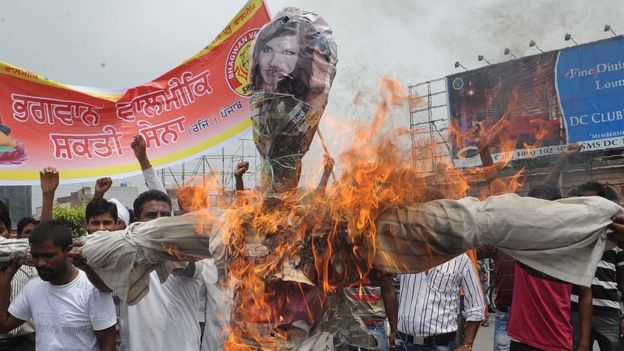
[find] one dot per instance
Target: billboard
(534, 106)
(86, 133)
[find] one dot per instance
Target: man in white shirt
(428, 306)
(218, 305)
(166, 318)
(69, 313)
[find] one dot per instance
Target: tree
(73, 218)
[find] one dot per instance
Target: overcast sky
(121, 43)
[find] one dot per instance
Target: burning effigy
(288, 250)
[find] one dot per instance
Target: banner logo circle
(237, 63)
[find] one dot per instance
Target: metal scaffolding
(429, 120)
(218, 165)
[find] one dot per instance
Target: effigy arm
(123, 259)
(563, 238)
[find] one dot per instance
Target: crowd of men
(59, 303)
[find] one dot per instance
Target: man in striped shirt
(22, 337)
(428, 306)
(606, 327)
(606, 317)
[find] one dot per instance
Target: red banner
(182, 114)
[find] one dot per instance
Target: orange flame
(288, 254)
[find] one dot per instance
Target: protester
(21, 338)
(5, 221)
(607, 325)
(570, 152)
(152, 204)
(166, 318)
(101, 215)
(166, 299)
(472, 255)
(504, 265)
(25, 226)
(503, 279)
(67, 310)
(49, 178)
(241, 168)
(139, 147)
(101, 187)
(123, 214)
(540, 311)
(123, 218)
(540, 314)
(601, 302)
(428, 303)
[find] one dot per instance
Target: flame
(289, 254)
(173, 251)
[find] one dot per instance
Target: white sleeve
(102, 310)
(199, 268)
(210, 274)
(473, 296)
(20, 306)
(151, 180)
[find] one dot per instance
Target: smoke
(487, 27)
(413, 41)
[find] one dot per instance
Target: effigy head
(292, 66)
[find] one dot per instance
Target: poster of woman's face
(277, 60)
(293, 60)
(282, 57)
